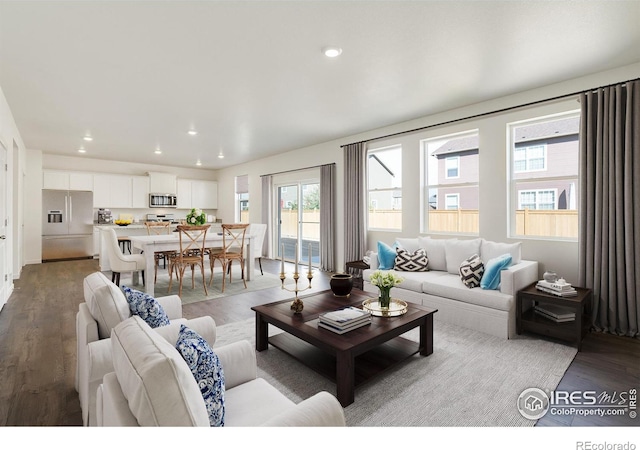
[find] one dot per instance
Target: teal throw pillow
(386, 256)
(206, 369)
(148, 308)
(491, 276)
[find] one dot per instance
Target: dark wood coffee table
(348, 359)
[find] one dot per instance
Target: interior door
(299, 222)
(4, 220)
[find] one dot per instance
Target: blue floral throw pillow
(143, 305)
(207, 370)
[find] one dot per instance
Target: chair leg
(242, 267)
(260, 263)
(143, 278)
(204, 280)
(113, 277)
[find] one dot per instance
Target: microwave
(163, 201)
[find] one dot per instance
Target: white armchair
(152, 385)
(105, 306)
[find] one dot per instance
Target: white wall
(559, 256)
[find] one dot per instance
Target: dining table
(148, 245)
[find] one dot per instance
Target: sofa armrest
(112, 407)
(96, 362)
(320, 410)
(373, 261)
(86, 331)
(518, 276)
(205, 326)
(172, 305)
(239, 363)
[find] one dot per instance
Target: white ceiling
(251, 78)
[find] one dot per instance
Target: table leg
(345, 378)
(262, 335)
(579, 326)
(426, 336)
(249, 261)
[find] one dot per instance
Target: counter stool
(124, 242)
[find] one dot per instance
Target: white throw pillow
(490, 250)
(436, 252)
(458, 250)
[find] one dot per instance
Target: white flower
(385, 279)
(198, 212)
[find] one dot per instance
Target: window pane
(544, 178)
(384, 177)
(451, 183)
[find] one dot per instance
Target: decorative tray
(396, 307)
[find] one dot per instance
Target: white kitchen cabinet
(75, 181)
(162, 183)
(201, 194)
(112, 191)
(140, 192)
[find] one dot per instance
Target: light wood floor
(38, 354)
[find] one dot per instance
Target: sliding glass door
(299, 222)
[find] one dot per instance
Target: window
(450, 183)
(452, 165)
(384, 183)
(452, 201)
(242, 198)
(544, 176)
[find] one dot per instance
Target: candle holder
(296, 305)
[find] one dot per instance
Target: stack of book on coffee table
(560, 288)
(344, 320)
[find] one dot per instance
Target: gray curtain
(266, 214)
(609, 212)
(327, 217)
(354, 201)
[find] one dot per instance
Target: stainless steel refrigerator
(67, 229)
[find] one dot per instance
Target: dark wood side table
(359, 267)
(528, 320)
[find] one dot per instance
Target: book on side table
(559, 288)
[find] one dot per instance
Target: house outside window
(242, 198)
(384, 185)
(451, 184)
(544, 198)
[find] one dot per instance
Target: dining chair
(120, 262)
(258, 231)
(159, 228)
(233, 236)
(192, 248)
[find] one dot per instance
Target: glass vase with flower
(384, 281)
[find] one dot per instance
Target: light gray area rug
(190, 295)
(472, 379)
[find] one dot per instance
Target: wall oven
(163, 201)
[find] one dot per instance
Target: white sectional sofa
(488, 310)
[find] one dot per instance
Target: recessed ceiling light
(158, 151)
(88, 138)
(221, 155)
(82, 150)
(332, 52)
(198, 163)
(192, 132)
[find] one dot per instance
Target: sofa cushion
(416, 261)
(386, 256)
(253, 403)
(491, 277)
(154, 378)
(147, 307)
(490, 250)
(107, 304)
(451, 287)
(471, 271)
(409, 244)
(436, 253)
(207, 371)
(412, 281)
(457, 250)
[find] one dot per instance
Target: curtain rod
(497, 111)
(297, 170)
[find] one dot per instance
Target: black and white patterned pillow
(411, 262)
(471, 271)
